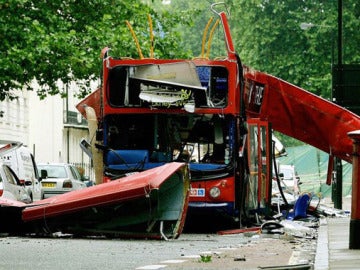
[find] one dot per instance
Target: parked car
(20, 159)
(59, 178)
(10, 186)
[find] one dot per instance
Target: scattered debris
(272, 227)
(297, 229)
(242, 230)
(240, 259)
(288, 267)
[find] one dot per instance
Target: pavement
(328, 251)
(332, 250)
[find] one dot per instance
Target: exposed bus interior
(136, 142)
(167, 85)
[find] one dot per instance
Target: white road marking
(191, 256)
(173, 261)
(152, 267)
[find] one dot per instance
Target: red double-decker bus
(149, 112)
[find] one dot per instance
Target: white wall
(14, 125)
(45, 132)
(39, 124)
(48, 135)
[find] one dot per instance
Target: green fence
(311, 165)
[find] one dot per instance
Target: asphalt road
(99, 253)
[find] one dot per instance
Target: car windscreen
(54, 171)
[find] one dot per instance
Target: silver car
(59, 178)
(10, 186)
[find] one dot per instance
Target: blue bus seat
(128, 160)
(127, 156)
(206, 166)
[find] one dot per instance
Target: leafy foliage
(196, 16)
(269, 38)
(53, 41)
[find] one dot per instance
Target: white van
(289, 179)
(22, 162)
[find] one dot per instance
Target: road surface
(100, 253)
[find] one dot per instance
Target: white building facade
(51, 128)
(14, 118)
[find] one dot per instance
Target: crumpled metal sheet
(300, 114)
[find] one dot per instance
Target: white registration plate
(197, 192)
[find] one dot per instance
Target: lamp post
(306, 26)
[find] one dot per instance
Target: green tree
(61, 40)
(53, 41)
(195, 16)
(268, 37)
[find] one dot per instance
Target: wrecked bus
(149, 112)
(216, 115)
